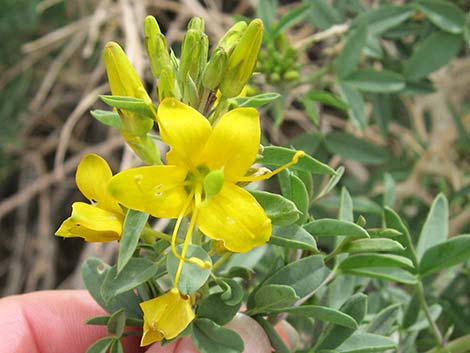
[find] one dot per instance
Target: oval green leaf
(192, 276)
(327, 227)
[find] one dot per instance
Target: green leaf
(445, 255)
(384, 18)
(383, 233)
(393, 221)
(328, 227)
(383, 322)
(108, 118)
(192, 277)
(363, 342)
(326, 98)
(117, 323)
(93, 273)
(350, 56)
(376, 260)
(346, 206)
(322, 14)
(386, 273)
(208, 337)
(389, 190)
(116, 347)
(300, 196)
(331, 183)
(370, 80)
(321, 313)
(372, 245)
(412, 310)
(351, 147)
(444, 14)
(276, 341)
(133, 225)
(101, 346)
(239, 272)
(304, 275)
(334, 335)
(382, 106)
(256, 101)
(278, 156)
(426, 59)
(220, 309)
(292, 16)
(355, 102)
(103, 321)
(436, 226)
(293, 237)
(280, 210)
(137, 271)
(422, 322)
(232, 291)
(272, 296)
(132, 104)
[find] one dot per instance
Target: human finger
(51, 321)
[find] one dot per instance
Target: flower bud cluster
(278, 62)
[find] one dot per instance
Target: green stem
(223, 259)
(149, 232)
(459, 345)
(435, 330)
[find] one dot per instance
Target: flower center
(210, 182)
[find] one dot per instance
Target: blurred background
(402, 140)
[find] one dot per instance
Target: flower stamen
(268, 175)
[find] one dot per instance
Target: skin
(54, 322)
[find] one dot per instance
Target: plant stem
(460, 345)
(149, 232)
(222, 260)
(435, 330)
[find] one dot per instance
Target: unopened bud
(196, 23)
(193, 53)
(124, 81)
(215, 69)
(242, 60)
(232, 36)
(122, 77)
(157, 50)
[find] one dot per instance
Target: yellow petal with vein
(93, 175)
(166, 316)
(234, 143)
(235, 217)
(91, 223)
(157, 190)
(184, 129)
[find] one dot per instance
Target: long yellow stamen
(178, 224)
(268, 175)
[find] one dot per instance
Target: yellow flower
(166, 316)
(204, 166)
(102, 220)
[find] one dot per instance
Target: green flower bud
(157, 50)
(122, 77)
(291, 75)
(242, 60)
(213, 183)
(124, 81)
(196, 23)
(215, 69)
(193, 57)
(232, 36)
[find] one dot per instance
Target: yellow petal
(157, 190)
(91, 223)
(184, 129)
(235, 217)
(166, 316)
(93, 175)
(234, 143)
